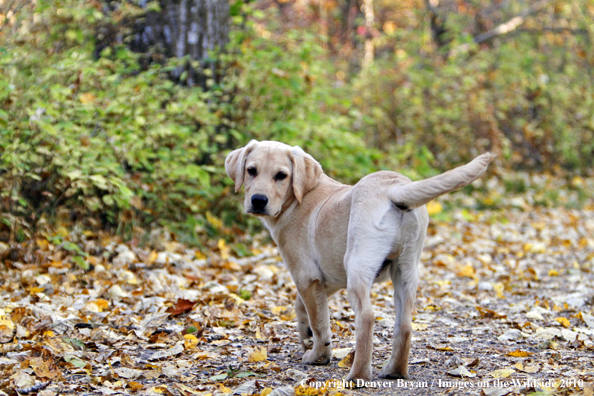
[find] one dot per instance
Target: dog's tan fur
(333, 236)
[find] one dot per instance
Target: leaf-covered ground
(505, 306)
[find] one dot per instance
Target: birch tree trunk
(185, 28)
(369, 19)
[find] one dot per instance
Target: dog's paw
(385, 373)
(364, 375)
(311, 357)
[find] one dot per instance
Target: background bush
(97, 139)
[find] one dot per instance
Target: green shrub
(97, 139)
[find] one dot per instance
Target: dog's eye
(252, 171)
(280, 176)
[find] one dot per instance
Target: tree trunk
(182, 28)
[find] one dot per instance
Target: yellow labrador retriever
(331, 236)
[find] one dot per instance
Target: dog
(333, 236)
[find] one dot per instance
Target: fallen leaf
(499, 287)
(564, 322)
(496, 391)
(340, 353)
(223, 248)
(128, 373)
(519, 353)
(503, 373)
(419, 326)
(77, 362)
(219, 377)
(489, 313)
(190, 341)
(441, 347)
(589, 319)
(467, 271)
(461, 372)
(181, 306)
(258, 355)
(7, 329)
(347, 361)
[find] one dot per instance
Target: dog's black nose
(259, 201)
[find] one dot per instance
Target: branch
(504, 28)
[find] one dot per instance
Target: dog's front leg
(305, 333)
(315, 301)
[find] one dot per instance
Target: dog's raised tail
(415, 194)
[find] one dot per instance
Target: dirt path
(504, 307)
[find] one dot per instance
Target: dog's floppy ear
(235, 163)
(306, 172)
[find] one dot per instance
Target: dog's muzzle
(259, 202)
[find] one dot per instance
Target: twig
(502, 29)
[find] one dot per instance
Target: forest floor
(505, 306)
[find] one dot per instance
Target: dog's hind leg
(404, 275)
(363, 261)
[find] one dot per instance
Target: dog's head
(273, 173)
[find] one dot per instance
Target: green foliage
(87, 138)
(96, 138)
(99, 137)
(286, 93)
(528, 96)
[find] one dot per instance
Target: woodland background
(104, 126)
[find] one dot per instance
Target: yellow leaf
(7, 325)
(467, 271)
(503, 373)
(62, 231)
(43, 244)
(389, 27)
(266, 391)
(101, 304)
(537, 247)
(258, 355)
(87, 98)
(158, 389)
(564, 322)
(35, 290)
(135, 385)
(259, 335)
(278, 310)
(519, 366)
(441, 347)
(199, 255)
(153, 257)
(347, 361)
(190, 341)
(49, 333)
(553, 272)
(419, 326)
(488, 201)
(206, 355)
(519, 353)
(215, 222)
(577, 182)
(498, 287)
(434, 207)
(223, 248)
